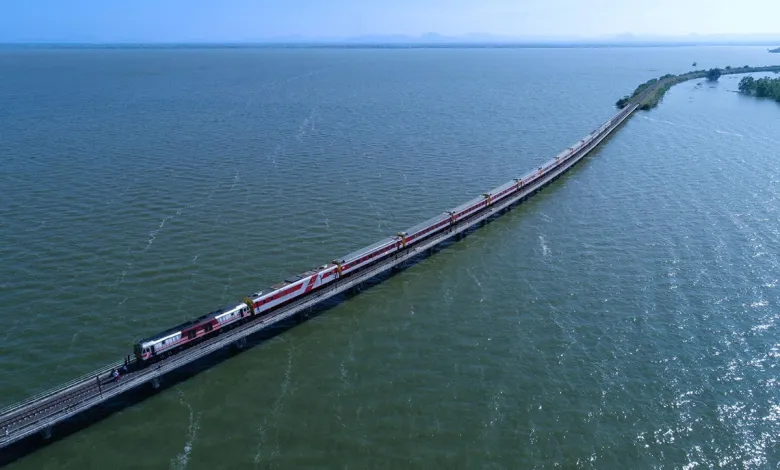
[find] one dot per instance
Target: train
(262, 303)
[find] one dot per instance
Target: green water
(625, 317)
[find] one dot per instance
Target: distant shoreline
(380, 45)
(650, 93)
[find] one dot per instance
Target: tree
(622, 102)
(763, 87)
(747, 85)
(713, 75)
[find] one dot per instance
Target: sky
(258, 20)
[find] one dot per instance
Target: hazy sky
(239, 20)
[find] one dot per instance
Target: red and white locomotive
(261, 303)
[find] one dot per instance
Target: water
(624, 317)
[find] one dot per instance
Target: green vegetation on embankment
(649, 94)
(762, 88)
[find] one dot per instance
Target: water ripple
(624, 317)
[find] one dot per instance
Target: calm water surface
(626, 317)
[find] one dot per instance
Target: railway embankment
(655, 88)
(32, 422)
(29, 424)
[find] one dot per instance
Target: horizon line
(407, 43)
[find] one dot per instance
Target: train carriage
(285, 291)
(367, 255)
(172, 338)
(467, 209)
(425, 229)
(502, 192)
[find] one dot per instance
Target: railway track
(41, 412)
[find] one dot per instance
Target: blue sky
(248, 20)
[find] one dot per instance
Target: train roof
(582, 142)
(503, 187)
(529, 175)
(359, 253)
(422, 225)
(562, 154)
(290, 280)
(468, 204)
(189, 323)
